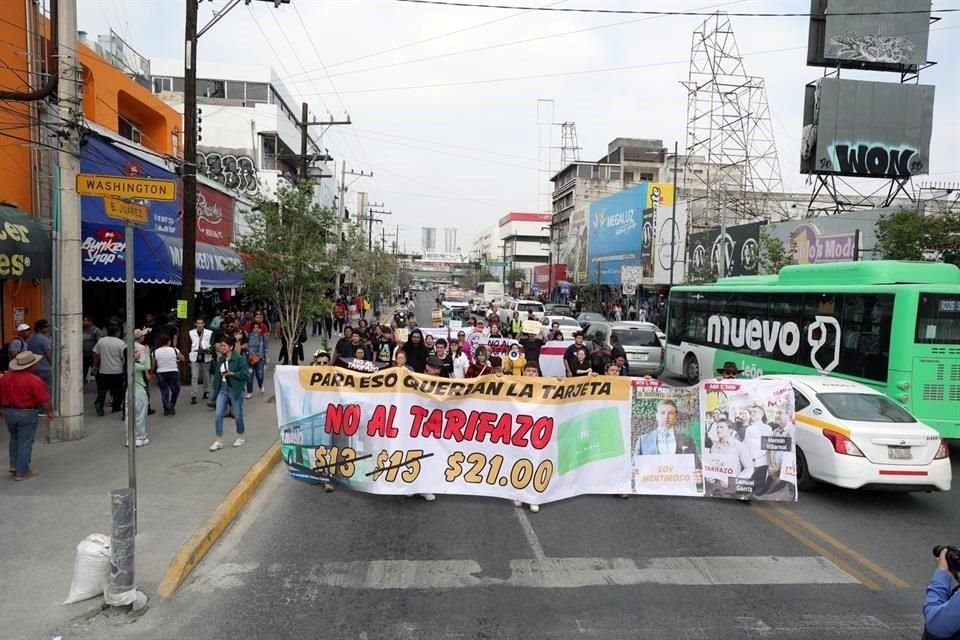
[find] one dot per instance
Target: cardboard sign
(456, 325)
(181, 309)
(531, 326)
(402, 334)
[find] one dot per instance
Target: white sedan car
(567, 325)
(854, 437)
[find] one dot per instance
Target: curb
(196, 547)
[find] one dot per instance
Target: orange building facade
(27, 158)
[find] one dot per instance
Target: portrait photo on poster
(665, 437)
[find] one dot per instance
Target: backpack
(5, 356)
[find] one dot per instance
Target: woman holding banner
(459, 358)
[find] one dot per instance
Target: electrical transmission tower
(569, 146)
(731, 163)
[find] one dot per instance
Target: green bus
(894, 326)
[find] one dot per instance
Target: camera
(953, 557)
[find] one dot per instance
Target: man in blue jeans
(229, 382)
(22, 393)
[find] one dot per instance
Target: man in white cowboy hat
(22, 392)
(19, 343)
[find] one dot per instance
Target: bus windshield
(938, 319)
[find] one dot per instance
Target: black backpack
(5, 356)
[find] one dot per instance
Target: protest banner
(494, 346)
(536, 439)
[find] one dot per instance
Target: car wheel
(691, 368)
(805, 482)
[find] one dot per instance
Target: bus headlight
(903, 385)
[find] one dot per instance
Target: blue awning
(158, 258)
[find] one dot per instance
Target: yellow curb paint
(764, 513)
(851, 553)
(196, 547)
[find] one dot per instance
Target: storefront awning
(24, 246)
(158, 258)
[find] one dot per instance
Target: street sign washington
(120, 187)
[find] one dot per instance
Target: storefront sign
(214, 216)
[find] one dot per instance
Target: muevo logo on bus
(775, 337)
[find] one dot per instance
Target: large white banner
(531, 439)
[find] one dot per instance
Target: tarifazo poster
(537, 439)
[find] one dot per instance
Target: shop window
(129, 130)
(268, 153)
(162, 84)
(211, 89)
(257, 92)
(234, 90)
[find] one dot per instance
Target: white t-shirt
(166, 358)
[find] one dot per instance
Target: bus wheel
(805, 482)
(691, 368)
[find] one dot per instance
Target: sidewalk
(180, 483)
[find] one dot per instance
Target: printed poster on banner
(665, 432)
(396, 432)
(749, 439)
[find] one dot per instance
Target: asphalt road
(300, 563)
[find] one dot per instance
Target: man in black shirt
(441, 353)
(531, 347)
(615, 348)
(343, 348)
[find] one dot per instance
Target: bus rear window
(938, 319)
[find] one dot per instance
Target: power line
(559, 74)
(514, 42)
(424, 40)
(652, 12)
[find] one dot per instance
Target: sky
(445, 100)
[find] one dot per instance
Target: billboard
(621, 230)
(573, 248)
(671, 230)
(862, 129)
(741, 251)
(876, 35)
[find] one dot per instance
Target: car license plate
(639, 357)
(899, 453)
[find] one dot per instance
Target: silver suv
(640, 341)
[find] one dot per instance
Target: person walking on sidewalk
(108, 362)
(91, 335)
(201, 353)
(228, 386)
(22, 392)
(167, 359)
(256, 357)
(141, 377)
(40, 345)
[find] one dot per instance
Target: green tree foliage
(375, 271)
(513, 277)
(909, 235)
(774, 254)
(471, 280)
(289, 261)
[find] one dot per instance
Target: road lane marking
(565, 573)
(851, 553)
(530, 534)
(816, 547)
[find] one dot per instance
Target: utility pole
(673, 213)
(370, 212)
(69, 344)
(305, 124)
(188, 221)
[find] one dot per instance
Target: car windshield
(456, 300)
(864, 407)
(566, 322)
(590, 316)
(559, 308)
(530, 306)
(637, 338)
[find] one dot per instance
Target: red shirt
(23, 390)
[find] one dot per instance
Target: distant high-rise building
(450, 240)
(428, 241)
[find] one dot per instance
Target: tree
(289, 259)
(910, 235)
(774, 254)
(513, 277)
(375, 270)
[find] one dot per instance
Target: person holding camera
(941, 609)
(200, 354)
